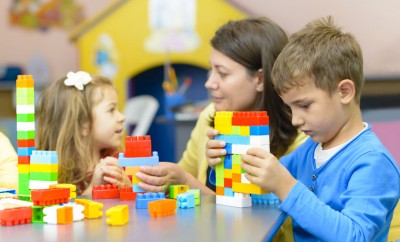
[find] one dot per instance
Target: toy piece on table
(91, 209)
(7, 190)
(43, 169)
(46, 197)
(142, 199)
(15, 216)
(197, 196)
(108, 191)
(127, 194)
(118, 215)
(241, 131)
(162, 208)
(269, 198)
(58, 215)
(186, 200)
(175, 190)
(13, 203)
(71, 187)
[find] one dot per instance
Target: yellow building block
(44, 167)
(245, 130)
(247, 188)
(236, 169)
(118, 215)
(72, 188)
(92, 209)
(131, 171)
(23, 168)
(227, 173)
(175, 190)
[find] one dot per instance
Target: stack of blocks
(25, 103)
(137, 153)
(43, 169)
(241, 131)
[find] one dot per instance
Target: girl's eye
(222, 74)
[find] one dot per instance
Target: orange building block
(15, 216)
(64, 215)
(162, 208)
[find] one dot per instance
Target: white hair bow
(78, 79)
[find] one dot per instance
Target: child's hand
(158, 178)
(107, 171)
(214, 148)
(264, 170)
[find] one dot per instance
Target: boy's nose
(297, 121)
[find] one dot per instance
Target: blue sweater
(349, 198)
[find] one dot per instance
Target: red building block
(15, 216)
(46, 197)
(127, 194)
(26, 143)
(137, 146)
(162, 208)
(105, 191)
(250, 118)
(24, 160)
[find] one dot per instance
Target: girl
(78, 117)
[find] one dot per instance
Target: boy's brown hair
(320, 52)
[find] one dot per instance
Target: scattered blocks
(49, 196)
(105, 192)
(143, 199)
(186, 200)
(175, 190)
(127, 194)
(197, 196)
(58, 215)
(162, 208)
(91, 209)
(15, 216)
(118, 215)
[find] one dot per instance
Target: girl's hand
(114, 174)
(158, 178)
(263, 169)
(214, 148)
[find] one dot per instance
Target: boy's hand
(214, 148)
(264, 170)
(158, 178)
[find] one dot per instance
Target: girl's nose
(211, 84)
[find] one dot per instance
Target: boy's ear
(260, 80)
(347, 90)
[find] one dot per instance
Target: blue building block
(136, 188)
(138, 161)
(228, 162)
(259, 130)
(234, 139)
(186, 200)
(228, 192)
(228, 148)
(25, 151)
(44, 157)
(143, 199)
(7, 190)
(269, 198)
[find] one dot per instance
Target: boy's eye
(304, 105)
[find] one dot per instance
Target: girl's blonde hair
(64, 113)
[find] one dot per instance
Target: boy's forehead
(299, 91)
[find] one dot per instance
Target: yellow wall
(128, 27)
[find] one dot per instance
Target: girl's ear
(347, 91)
(260, 80)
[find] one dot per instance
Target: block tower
(137, 153)
(240, 131)
(25, 102)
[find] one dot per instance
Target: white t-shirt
(321, 156)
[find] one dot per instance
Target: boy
(341, 184)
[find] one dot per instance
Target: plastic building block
(77, 211)
(44, 157)
(127, 194)
(37, 214)
(36, 184)
(108, 191)
(15, 216)
(269, 198)
(50, 196)
(175, 190)
(58, 214)
(238, 200)
(250, 118)
(162, 208)
(138, 146)
(143, 199)
(71, 187)
(4, 195)
(7, 190)
(13, 203)
(91, 209)
(197, 195)
(118, 215)
(186, 200)
(24, 81)
(138, 161)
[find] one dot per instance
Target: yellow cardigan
(194, 157)
(8, 164)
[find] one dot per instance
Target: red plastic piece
(127, 194)
(228, 182)
(138, 146)
(46, 197)
(105, 191)
(26, 143)
(15, 216)
(24, 160)
(250, 118)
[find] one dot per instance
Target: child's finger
(154, 170)
(153, 180)
(211, 133)
(151, 188)
(214, 161)
(258, 152)
(253, 161)
(250, 169)
(215, 144)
